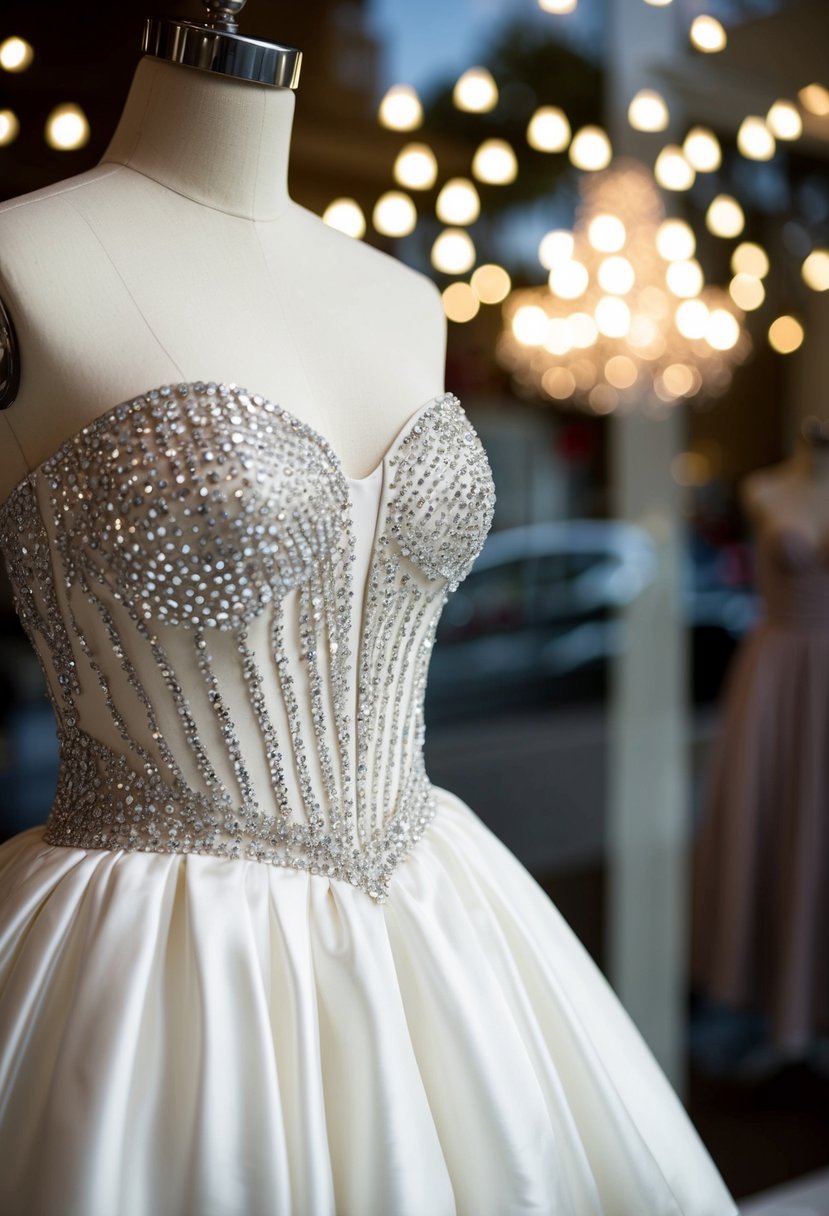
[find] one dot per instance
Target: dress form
(794, 494)
(181, 256)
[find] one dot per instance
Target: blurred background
(626, 206)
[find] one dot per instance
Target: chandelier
(627, 320)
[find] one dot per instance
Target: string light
(556, 247)
(453, 252)
(672, 170)
(345, 214)
(815, 99)
(702, 151)
(458, 202)
(815, 270)
(785, 335)
(754, 139)
(590, 149)
(67, 128)
(648, 112)
(9, 127)
(751, 259)
(394, 214)
(15, 54)
(416, 167)
(784, 120)
(724, 216)
(475, 91)
(675, 240)
(495, 162)
(548, 130)
(708, 35)
(400, 109)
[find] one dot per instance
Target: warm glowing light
(815, 99)
(685, 279)
(754, 139)
(658, 3)
(9, 127)
(784, 121)
(722, 329)
(394, 214)
(400, 109)
(416, 167)
(590, 149)
(556, 247)
(569, 280)
(458, 202)
(559, 7)
(746, 291)
(460, 302)
(453, 252)
(612, 317)
(648, 112)
(621, 371)
(548, 130)
(475, 91)
(15, 54)
(346, 216)
(675, 240)
(606, 233)
(724, 216)
(583, 330)
(495, 162)
(692, 319)
(672, 170)
(785, 335)
(749, 258)
(708, 35)
(679, 379)
(643, 332)
(702, 150)
(616, 275)
(529, 325)
(491, 283)
(67, 128)
(559, 339)
(815, 270)
(558, 382)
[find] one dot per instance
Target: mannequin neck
(812, 461)
(220, 142)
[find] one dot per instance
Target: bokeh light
(394, 214)
(67, 128)
(458, 202)
(754, 139)
(702, 151)
(16, 54)
(491, 283)
(708, 35)
(785, 335)
(815, 270)
(590, 149)
(475, 91)
(548, 130)
(400, 109)
(648, 111)
(672, 170)
(724, 216)
(453, 252)
(346, 215)
(460, 302)
(495, 162)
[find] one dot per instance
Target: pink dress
(761, 907)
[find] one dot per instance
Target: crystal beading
(185, 568)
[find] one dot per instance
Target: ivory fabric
(255, 963)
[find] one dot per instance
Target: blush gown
(761, 907)
(255, 964)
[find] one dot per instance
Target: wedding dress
(255, 964)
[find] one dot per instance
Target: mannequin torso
(794, 495)
(182, 257)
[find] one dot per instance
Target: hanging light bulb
(590, 149)
(751, 259)
(394, 214)
(815, 270)
(672, 170)
(708, 35)
(606, 233)
(458, 202)
(556, 247)
(754, 139)
(702, 150)
(453, 252)
(784, 121)
(475, 91)
(785, 335)
(648, 112)
(724, 216)
(67, 128)
(9, 127)
(675, 240)
(548, 130)
(495, 163)
(416, 167)
(400, 109)
(345, 214)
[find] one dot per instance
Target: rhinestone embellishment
(188, 570)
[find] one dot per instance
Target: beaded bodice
(235, 635)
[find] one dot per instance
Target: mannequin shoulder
(760, 490)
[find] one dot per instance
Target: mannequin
(181, 256)
(760, 910)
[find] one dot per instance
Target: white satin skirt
(190, 1036)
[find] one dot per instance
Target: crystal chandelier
(626, 320)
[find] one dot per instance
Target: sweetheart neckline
(292, 419)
